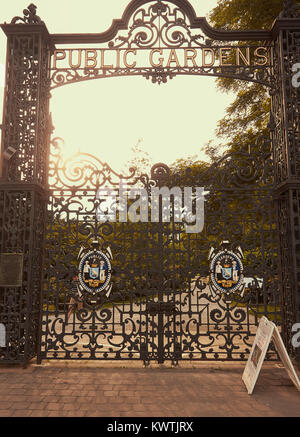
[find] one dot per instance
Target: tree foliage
(248, 115)
(245, 14)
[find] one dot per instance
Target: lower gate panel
(179, 326)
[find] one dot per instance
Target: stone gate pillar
(23, 183)
(285, 126)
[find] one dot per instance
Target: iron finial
(29, 17)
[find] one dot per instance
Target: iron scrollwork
(161, 23)
(165, 26)
(160, 309)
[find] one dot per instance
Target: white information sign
(277, 340)
(266, 332)
(2, 335)
(258, 352)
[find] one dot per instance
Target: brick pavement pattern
(81, 390)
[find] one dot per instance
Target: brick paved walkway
(103, 390)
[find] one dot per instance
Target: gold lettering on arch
(90, 56)
(188, 57)
(59, 55)
(173, 59)
(125, 58)
(79, 58)
(161, 60)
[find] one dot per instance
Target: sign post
(267, 331)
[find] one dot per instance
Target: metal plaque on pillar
(11, 269)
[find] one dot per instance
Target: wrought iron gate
(160, 306)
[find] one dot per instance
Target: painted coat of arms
(94, 271)
(226, 271)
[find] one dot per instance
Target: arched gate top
(177, 40)
(183, 5)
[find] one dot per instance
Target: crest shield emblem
(227, 272)
(94, 272)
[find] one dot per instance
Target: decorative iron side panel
(26, 123)
(285, 122)
(25, 153)
(20, 306)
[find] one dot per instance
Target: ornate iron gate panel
(160, 306)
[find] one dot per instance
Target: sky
(107, 117)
